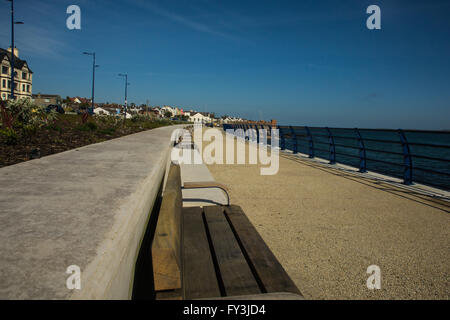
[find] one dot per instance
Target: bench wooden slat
(270, 272)
(211, 252)
(198, 274)
(235, 273)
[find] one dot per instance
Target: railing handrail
(376, 130)
(381, 140)
(306, 133)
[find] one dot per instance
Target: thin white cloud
(201, 27)
(178, 75)
(37, 41)
(40, 35)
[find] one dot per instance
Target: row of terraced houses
(23, 83)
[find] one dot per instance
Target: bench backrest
(166, 249)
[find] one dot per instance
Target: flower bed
(28, 132)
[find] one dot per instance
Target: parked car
(55, 107)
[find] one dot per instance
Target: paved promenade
(326, 226)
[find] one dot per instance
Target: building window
(4, 83)
(9, 84)
(5, 69)
(24, 75)
(28, 88)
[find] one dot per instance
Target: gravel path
(326, 227)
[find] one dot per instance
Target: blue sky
(300, 62)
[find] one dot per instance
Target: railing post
(362, 152)
(266, 134)
(332, 147)
(257, 134)
(255, 130)
(294, 140)
(407, 159)
(260, 134)
(311, 142)
(282, 139)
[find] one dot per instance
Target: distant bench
(212, 252)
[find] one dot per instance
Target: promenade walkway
(326, 226)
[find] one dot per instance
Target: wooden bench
(212, 252)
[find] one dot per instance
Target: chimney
(16, 52)
(273, 123)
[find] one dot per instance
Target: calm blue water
(350, 156)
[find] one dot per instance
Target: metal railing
(407, 154)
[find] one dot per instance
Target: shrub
(108, 131)
(92, 126)
(29, 130)
(7, 118)
(142, 118)
(10, 136)
(107, 120)
(24, 113)
(88, 126)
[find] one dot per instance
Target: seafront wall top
(86, 207)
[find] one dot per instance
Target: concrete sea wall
(87, 207)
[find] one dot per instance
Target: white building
(200, 118)
(23, 81)
(228, 120)
(101, 111)
(164, 109)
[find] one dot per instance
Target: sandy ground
(326, 227)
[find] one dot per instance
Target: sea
(423, 145)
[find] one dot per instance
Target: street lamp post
(93, 76)
(12, 47)
(126, 89)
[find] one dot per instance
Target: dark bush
(9, 135)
